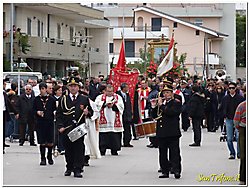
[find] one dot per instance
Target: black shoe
(43, 162)
(21, 144)
(195, 145)
(150, 146)
(114, 153)
(33, 144)
(177, 175)
(231, 157)
(159, 170)
(77, 174)
(86, 164)
(128, 145)
(135, 139)
(164, 175)
(6, 145)
(50, 161)
(3, 152)
(102, 153)
(68, 173)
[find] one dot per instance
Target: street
(205, 165)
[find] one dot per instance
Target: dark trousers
(22, 129)
(110, 140)
(185, 121)
(242, 147)
(74, 153)
(153, 141)
(197, 130)
(4, 124)
(172, 145)
(127, 133)
(210, 121)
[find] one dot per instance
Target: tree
(240, 40)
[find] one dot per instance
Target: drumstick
(68, 127)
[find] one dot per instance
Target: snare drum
(77, 132)
(146, 129)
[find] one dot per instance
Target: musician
(71, 112)
(44, 106)
(168, 132)
(111, 107)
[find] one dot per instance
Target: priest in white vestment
(110, 106)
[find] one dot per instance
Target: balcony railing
(139, 32)
(56, 49)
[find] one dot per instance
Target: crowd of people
(53, 108)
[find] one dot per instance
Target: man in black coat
(94, 88)
(196, 113)
(7, 107)
(127, 114)
(24, 108)
(168, 133)
(71, 112)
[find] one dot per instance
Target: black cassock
(69, 112)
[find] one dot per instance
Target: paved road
(134, 166)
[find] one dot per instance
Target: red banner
(128, 77)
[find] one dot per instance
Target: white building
(60, 34)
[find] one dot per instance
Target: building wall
(127, 22)
(228, 46)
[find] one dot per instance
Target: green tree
(240, 40)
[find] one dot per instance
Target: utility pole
(145, 47)
(11, 35)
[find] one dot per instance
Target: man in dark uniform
(71, 112)
(168, 133)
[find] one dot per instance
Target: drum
(146, 129)
(77, 132)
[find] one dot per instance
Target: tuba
(220, 74)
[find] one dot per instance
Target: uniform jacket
(69, 111)
(196, 106)
(50, 107)
(168, 124)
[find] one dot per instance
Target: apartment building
(206, 32)
(60, 34)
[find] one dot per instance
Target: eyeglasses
(28, 89)
(231, 87)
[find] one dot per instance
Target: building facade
(206, 32)
(60, 34)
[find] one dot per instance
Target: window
(156, 24)
(28, 26)
(198, 21)
(4, 20)
(175, 25)
(140, 24)
(42, 29)
(197, 32)
(130, 48)
(58, 31)
(38, 28)
(110, 47)
(71, 33)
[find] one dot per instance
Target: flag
(167, 62)
(121, 65)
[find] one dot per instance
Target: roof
(183, 22)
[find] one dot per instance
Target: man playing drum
(71, 113)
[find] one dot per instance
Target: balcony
(51, 48)
(139, 33)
